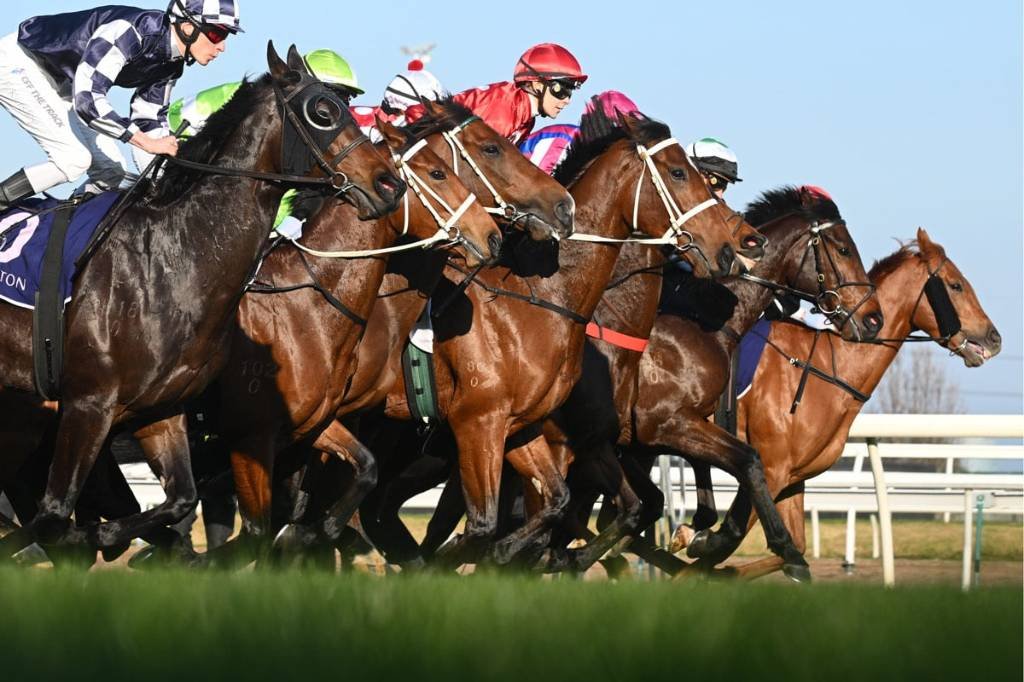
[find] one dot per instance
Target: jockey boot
(14, 189)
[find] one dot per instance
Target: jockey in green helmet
(327, 65)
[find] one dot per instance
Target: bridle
(827, 300)
(677, 218)
(313, 146)
(505, 210)
(448, 228)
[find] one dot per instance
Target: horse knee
(366, 474)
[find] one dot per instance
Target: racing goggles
(562, 88)
(214, 33)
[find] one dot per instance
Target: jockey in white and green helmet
(716, 162)
(327, 65)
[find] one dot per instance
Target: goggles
(214, 33)
(562, 88)
(717, 182)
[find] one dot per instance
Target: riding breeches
(30, 95)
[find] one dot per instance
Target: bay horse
(148, 325)
(797, 446)
(293, 352)
(538, 322)
(517, 194)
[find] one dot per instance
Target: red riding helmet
(548, 61)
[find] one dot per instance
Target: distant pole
(980, 523)
(965, 575)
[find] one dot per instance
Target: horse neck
(783, 236)
(630, 305)
(864, 364)
(584, 269)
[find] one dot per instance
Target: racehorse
(800, 445)
(293, 352)
(515, 191)
(538, 322)
(148, 325)
(798, 255)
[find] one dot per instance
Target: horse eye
(438, 175)
(844, 251)
(491, 149)
(956, 286)
(678, 174)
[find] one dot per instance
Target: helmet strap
(412, 88)
(187, 40)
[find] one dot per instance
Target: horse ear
(432, 108)
(923, 240)
(274, 62)
(296, 62)
(627, 123)
(392, 135)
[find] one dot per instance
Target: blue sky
(908, 113)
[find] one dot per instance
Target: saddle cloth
(750, 350)
(24, 233)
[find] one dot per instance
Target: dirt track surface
(913, 571)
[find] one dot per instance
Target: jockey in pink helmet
(542, 85)
(548, 146)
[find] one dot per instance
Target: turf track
(114, 625)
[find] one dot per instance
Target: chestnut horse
(518, 194)
(798, 446)
(149, 323)
(538, 323)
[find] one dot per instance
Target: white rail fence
(871, 491)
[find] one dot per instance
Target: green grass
(268, 625)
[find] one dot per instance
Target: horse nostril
(494, 242)
(564, 213)
(995, 338)
(873, 321)
(753, 241)
(389, 184)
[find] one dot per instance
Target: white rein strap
(677, 218)
(448, 230)
(458, 149)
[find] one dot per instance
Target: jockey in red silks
(405, 90)
(547, 147)
(542, 85)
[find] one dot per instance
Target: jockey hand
(164, 145)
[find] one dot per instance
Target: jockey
(542, 85)
(716, 162)
(406, 89)
(56, 73)
(327, 65)
(547, 147)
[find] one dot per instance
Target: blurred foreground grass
(277, 625)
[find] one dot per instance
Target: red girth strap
(615, 338)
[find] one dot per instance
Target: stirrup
(14, 189)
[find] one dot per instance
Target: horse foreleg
(791, 508)
(340, 441)
(82, 429)
(165, 444)
(480, 439)
(706, 514)
(535, 463)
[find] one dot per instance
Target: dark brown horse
(536, 323)
(796, 447)
(518, 193)
(153, 307)
(663, 396)
(293, 353)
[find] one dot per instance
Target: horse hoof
(293, 538)
(698, 546)
(683, 537)
(798, 573)
(141, 559)
(113, 553)
(31, 556)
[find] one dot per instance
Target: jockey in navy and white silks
(56, 73)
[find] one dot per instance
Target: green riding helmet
(332, 68)
(711, 156)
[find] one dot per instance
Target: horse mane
(786, 200)
(597, 133)
(451, 114)
(886, 265)
(204, 147)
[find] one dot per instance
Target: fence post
(980, 510)
(815, 533)
(664, 466)
(875, 553)
(965, 576)
(884, 516)
(949, 472)
(850, 557)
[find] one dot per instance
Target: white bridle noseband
(503, 209)
(448, 230)
(677, 217)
